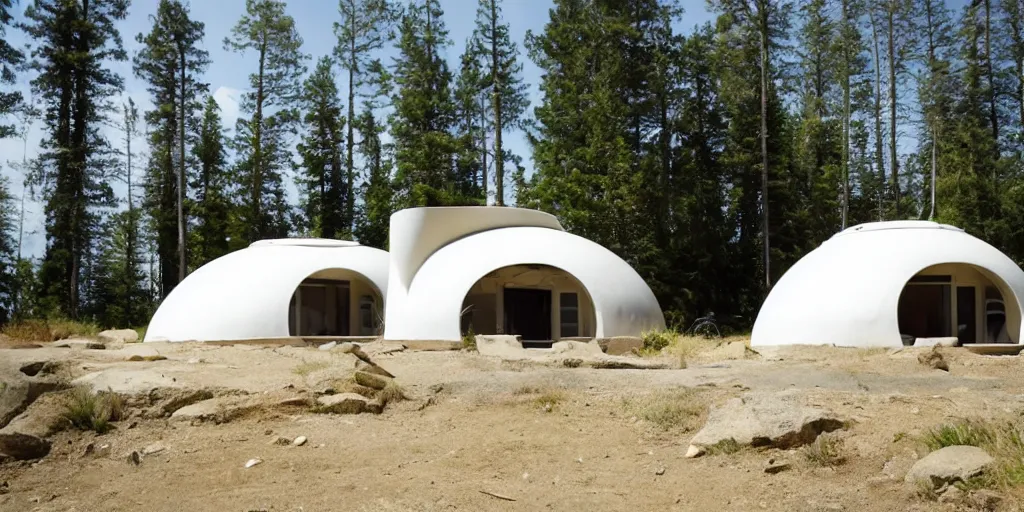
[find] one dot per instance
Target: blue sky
(228, 75)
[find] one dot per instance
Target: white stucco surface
(246, 294)
(437, 254)
(846, 292)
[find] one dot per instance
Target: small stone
(985, 499)
(23, 446)
(103, 450)
(660, 471)
(281, 441)
(299, 441)
(776, 468)
(953, 494)
(135, 458)
(343, 403)
(153, 449)
(328, 346)
(90, 449)
(252, 462)
(694, 451)
(136, 357)
(268, 432)
(297, 401)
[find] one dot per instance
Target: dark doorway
(924, 311)
(528, 313)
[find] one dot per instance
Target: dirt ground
(480, 433)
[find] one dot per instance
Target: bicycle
(704, 326)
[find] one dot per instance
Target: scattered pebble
(252, 462)
(778, 468)
(153, 449)
(281, 441)
(660, 471)
(299, 441)
(135, 458)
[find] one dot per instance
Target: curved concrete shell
(438, 254)
(886, 283)
(248, 294)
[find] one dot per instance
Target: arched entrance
(540, 303)
(956, 300)
(335, 302)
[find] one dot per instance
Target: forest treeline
(710, 158)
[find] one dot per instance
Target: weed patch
(549, 399)
(825, 451)
(1004, 441)
(86, 410)
(48, 330)
(679, 409)
(724, 447)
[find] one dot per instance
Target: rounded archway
(539, 303)
(336, 302)
(957, 302)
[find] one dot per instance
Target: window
(569, 314)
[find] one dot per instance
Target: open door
(528, 313)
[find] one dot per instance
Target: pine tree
(935, 89)
(212, 207)
(322, 182)
(899, 32)
(851, 67)
(503, 83)
(260, 140)
(170, 62)
(471, 126)
(424, 113)
(73, 43)
(10, 58)
(365, 27)
(373, 216)
(9, 263)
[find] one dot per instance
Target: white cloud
(228, 98)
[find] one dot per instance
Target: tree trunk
(496, 83)
(256, 230)
(483, 146)
(846, 120)
(350, 139)
(182, 258)
(893, 162)
(879, 155)
(992, 96)
(763, 25)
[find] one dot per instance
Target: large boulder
(43, 418)
(119, 336)
(343, 403)
(18, 391)
(949, 465)
(23, 446)
(620, 345)
(778, 420)
(218, 410)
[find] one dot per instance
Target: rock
(23, 446)
(778, 420)
(298, 401)
(153, 449)
(168, 401)
(373, 368)
(299, 441)
(500, 345)
(620, 345)
(252, 462)
(371, 380)
(80, 344)
(119, 335)
(32, 369)
(659, 471)
(328, 346)
(346, 347)
(135, 458)
(42, 419)
(949, 465)
(934, 359)
(343, 403)
(136, 357)
(985, 499)
(572, 362)
(219, 410)
(776, 468)
(694, 451)
(952, 494)
(936, 342)
(374, 406)
(280, 441)
(17, 392)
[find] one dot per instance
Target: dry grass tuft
(677, 410)
(826, 451)
(392, 392)
(656, 341)
(48, 330)
(549, 399)
(86, 410)
(724, 447)
(308, 367)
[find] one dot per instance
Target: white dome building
(276, 289)
(887, 284)
(496, 270)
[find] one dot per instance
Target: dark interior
(528, 313)
(924, 311)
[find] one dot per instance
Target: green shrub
(655, 341)
(86, 410)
